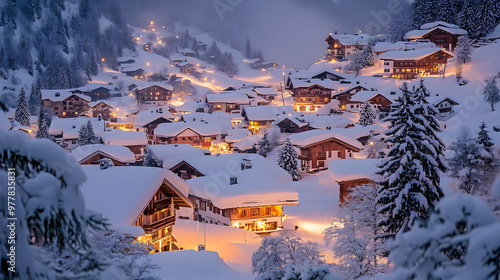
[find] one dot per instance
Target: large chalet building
(101, 109)
(156, 94)
(64, 103)
(197, 134)
(229, 102)
(444, 35)
(341, 46)
(410, 64)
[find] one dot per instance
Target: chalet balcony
(321, 157)
(154, 226)
(305, 157)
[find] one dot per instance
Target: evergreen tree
(366, 116)
(226, 64)
(35, 100)
(487, 14)
(484, 139)
(368, 58)
(456, 242)
(248, 49)
(86, 135)
(151, 160)
(467, 19)
(447, 11)
(410, 184)
(259, 54)
(43, 128)
(22, 115)
(287, 159)
(491, 92)
(30, 65)
(399, 25)
(263, 146)
(463, 50)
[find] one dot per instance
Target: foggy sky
(290, 32)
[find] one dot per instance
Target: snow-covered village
(268, 140)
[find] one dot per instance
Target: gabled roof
(266, 113)
(438, 100)
(419, 34)
(165, 86)
(353, 169)
(135, 186)
(402, 45)
(116, 152)
(438, 23)
(64, 94)
(125, 138)
(412, 54)
(324, 83)
(230, 97)
(95, 103)
(311, 137)
(146, 117)
(351, 39)
(176, 128)
(266, 91)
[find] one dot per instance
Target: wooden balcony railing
(154, 226)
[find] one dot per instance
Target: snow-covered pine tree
(287, 159)
(450, 243)
(22, 114)
(354, 236)
(466, 165)
(35, 99)
(248, 49)
(368, 58)
(366, 116)
(410, 184)
(374, 145)
(92, 139)
(491, 92)
(487, 15)
(151, 160)
(264, 147)
(467, 19)
(484, 139)
(86, 135)
(48, 204)
(447, 11)
(463, 50)
(43, 128)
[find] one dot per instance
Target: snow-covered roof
(353, 169)
(265, 183)
(419, 34)
(176, 128)
(306, 138)
(238, 134)
(352, 39)
(221, 120)
(120, 193)
(63, 94)
(324, 121)
(92, 104)
(266, 91)
(4, 121)
(412, 54)
(231, 97)
(124, 138)
(175, 152)
(116, 152)
(402, 45)
(299, 121)
(326, 83)
(365, 95)
(60, 125)
(266, 113)
(437, 23)
(189, 106)
(244, 145)
(315, 70)
(145, 117)
(146, 85)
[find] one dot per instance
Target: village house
(318, 147)
(291, 124)
(379, 101)
(92, 154)
(260, 117)
(98, 93)
(383, 47)
(351, 173)
(187, 68)
(135, 141)
(444, 35)
(101, 109)
(65, 104)
(147, 121)
(310, 95)
(133, 72)
(444, 105)
(156, 94)
(149, 198)
(267, 93)
(341, 46)
(229, 102)
(66, 129)
(411, 64)
(319, 71)
(197, 134)
(246, 191)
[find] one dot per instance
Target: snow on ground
(189, 264)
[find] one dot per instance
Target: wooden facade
(103, 109)
(288, 126)
(408, 68)
(347, 186)
(188, 136)
(71, 107)
(259, 219)
(150, 127)
(98, 155)
(311, 98)
(153, 94)
(185, 171)
(336, 51)
(344, 96)
(442, 39)
(316, 155)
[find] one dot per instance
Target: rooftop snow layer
(64, 94)
(352, 169)
(411, 54)
(306, 138)
(117, 152)
(176, 128)
(234, 97)
(125, 138)
(266, 113)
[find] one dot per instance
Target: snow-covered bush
(287, 251)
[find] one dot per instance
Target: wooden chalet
(341, 46)
(93, 154)
(229, 102)
(445, 106)
(351, 173)
(157, 94)
(443, 34)
(102, 109)
(410, 64)
(345, 95)
(65, 104)
(197, 134)
(186, 68)
(318, 147)
(311, 95)
(291, 124)
(148, 121)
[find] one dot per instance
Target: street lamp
(282, 90)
